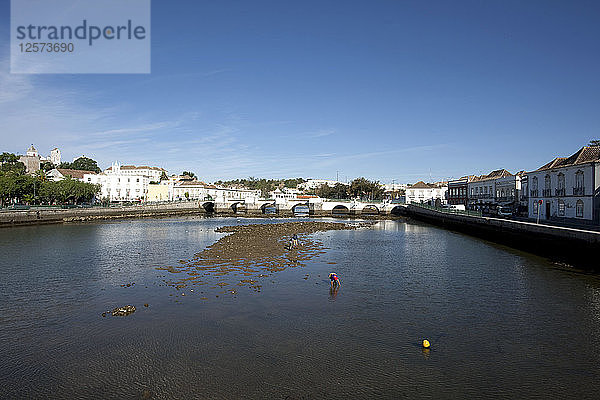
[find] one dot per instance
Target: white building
(566, 188)
(120, 186)
(508, 189)
(422, 192)
(313, 184)
(55, 156)
(482, 189)
(58, 174)
(395, 187)
(190, 190)
(153, 173)
(284, 194)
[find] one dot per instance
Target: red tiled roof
(582, 156)
(422, 185)
(134, 167)
(192, 183)
(499, 173)
(74, 173)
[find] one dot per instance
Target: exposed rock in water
(123, 311)
(254, 251)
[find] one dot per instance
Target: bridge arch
(268, 208)
(301, 209)
(397, 210)
(370, 210)
(209, 206)
(238, 207)
(340, 210)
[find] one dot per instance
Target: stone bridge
(317, 207)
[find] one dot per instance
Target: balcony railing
(505, 198)
(534, 193)
(578, 191)
(559, 192)
(547, 193)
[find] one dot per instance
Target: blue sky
(389, 90)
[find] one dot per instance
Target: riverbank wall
(567, 244)
(56, 216)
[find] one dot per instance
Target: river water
(502, 323)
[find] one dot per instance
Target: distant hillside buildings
(313, 184)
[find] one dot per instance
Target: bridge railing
(473, 213)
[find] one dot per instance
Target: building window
(560, 188)
(579, 189)
(579, 209)
(534, 183)
(547, 182)
(579, 179)
(561, 181)
(561, 208)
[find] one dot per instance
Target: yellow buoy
(426, 344)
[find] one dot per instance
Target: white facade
(283, 195)
(153, 173)
(200, 191)
(481, 191)
(117, 187)
(58, 174)
(195, 191)
(394, 187)
(508, 189)
(426, 193)
(55, 156)
(32, 152)
(313, 184)
(565, 192)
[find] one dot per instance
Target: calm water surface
(502, 323)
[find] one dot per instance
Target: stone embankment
(573, 245)
(56, 215)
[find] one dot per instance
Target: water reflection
(503, 323)
(333, 292)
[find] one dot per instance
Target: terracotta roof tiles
(582, 156)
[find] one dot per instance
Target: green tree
(163, 176)
(46, 166)
(339, 191)
(366, 189)
(189, 173)
(82, 164)
(9, 163)
(293, 183)
(595, 142)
